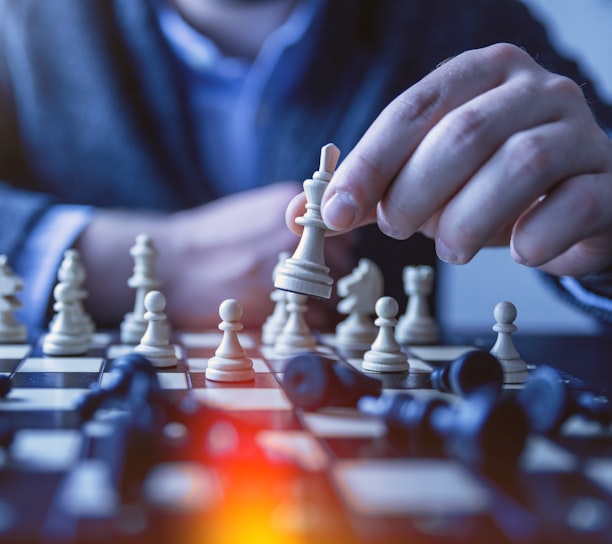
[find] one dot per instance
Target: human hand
(225, 249)
(488, 149)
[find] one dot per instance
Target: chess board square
(14, 351)
(344, 422)
(244, 399)
(172, 380)
(263, 380)
(269, 353)
(399, 487)
(212, 339)
(26, 399)
(600, 471)
(118, 350)
(167, 380)
(61, 364)
(417, 366)
(199, 364)
(297, 446)
(8, 366)
(542, 455)
(438, 352)
(46, 449)
(58, 380)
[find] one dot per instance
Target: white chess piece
(276, 321)
(230, 363)
(515, 369)
(385, 354)
(360, 291)
(305, 272)
(155, 342)
(66, 335)
(72, 271)
(295, 336)
(417, 326)
(143, 279)
(11, 331)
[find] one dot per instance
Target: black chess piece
(133, 383)
(6, 384)
(312, 381)
(7, 432)
(549, 400)
(469, 372)
(483, 430)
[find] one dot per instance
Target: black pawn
(312, 382)
(549, 400)
(469, 372)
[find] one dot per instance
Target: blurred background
(581, 30)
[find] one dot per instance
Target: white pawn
(360, 291)
(155, 343)
(66, 334)
(295, 336)
(276, 321)
(230, 363)
(143, 279)
(385, 354)
(515, 369)
(417, 326)
(11, 331)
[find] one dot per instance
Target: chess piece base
(160, 357)
(375, 361)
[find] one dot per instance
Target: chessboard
(177, 458)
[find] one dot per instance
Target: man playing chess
(184, 118)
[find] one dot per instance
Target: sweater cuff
(40, 257)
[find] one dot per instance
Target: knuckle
(416, 106)
(563, 86)
(465, 128)
(509, 55)
(529, 156)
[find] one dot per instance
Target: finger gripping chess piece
(417, 326)
(230, 363)
(155, 343)
(305, 272)
(515, 369)
(468, 372)
(385, 354)
(312, 381)
(483, 430)
(549, 400)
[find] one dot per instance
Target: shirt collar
(202, 55)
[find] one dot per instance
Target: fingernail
(517, 257)
(444, 253)
(340, 211)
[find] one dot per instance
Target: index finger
(362, 179)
